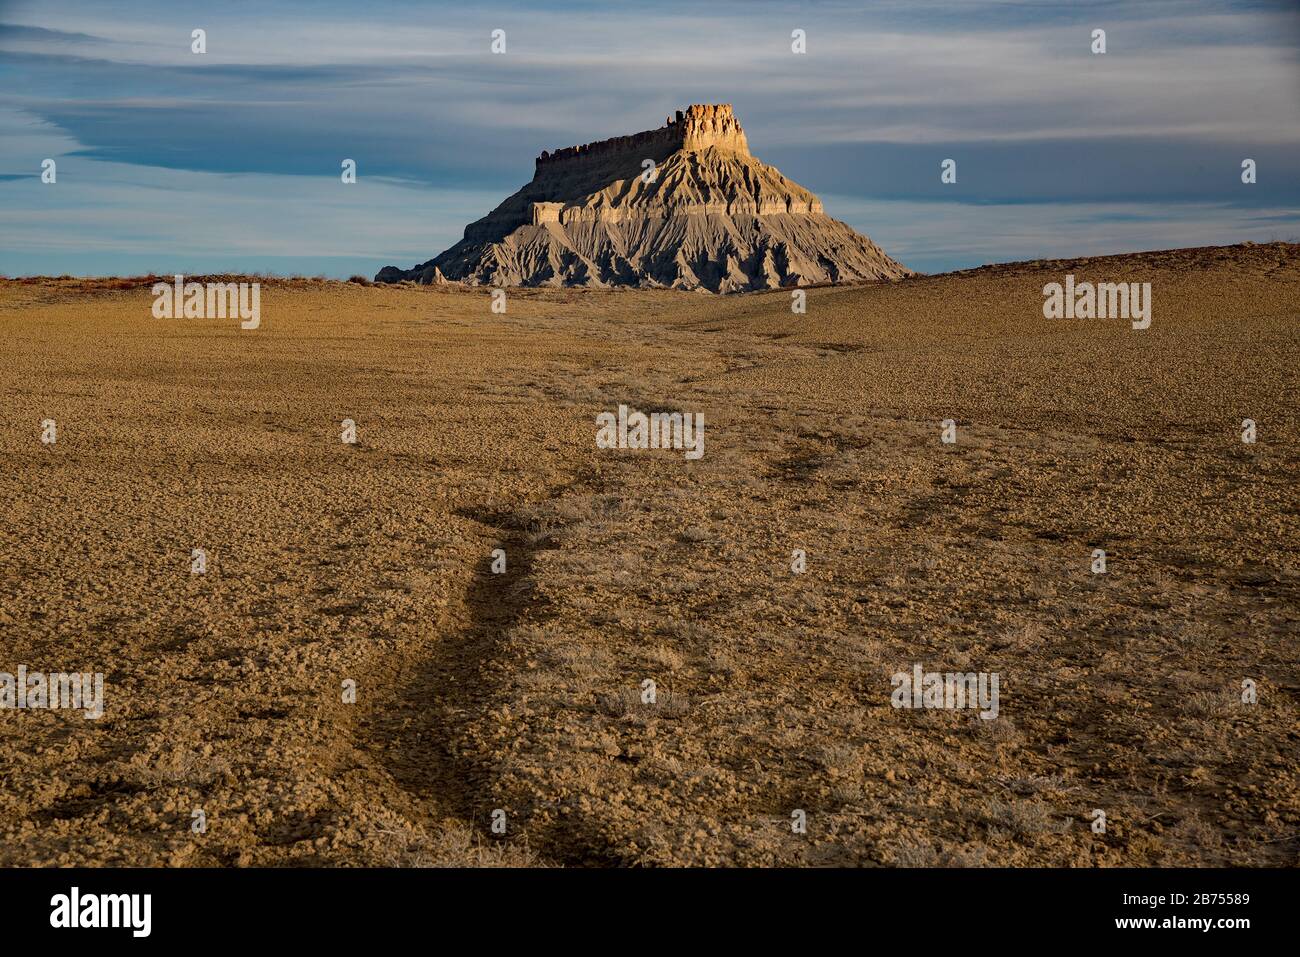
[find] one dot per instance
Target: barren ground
(521, 691)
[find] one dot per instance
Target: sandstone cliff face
(713, 217)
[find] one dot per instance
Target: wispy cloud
(411, 91)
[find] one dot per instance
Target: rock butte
(714, 217)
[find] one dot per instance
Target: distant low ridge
(711, 216)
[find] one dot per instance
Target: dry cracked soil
(332, 565)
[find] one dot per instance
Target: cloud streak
(412, 93)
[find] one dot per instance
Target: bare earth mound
(522, 691)
(711, 217)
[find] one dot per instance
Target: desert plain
(517, 698)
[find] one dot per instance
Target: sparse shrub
(913, 855)
(842, 759)
(1023, 818)
(999, 730)
(403, 845)
(626, 703)
(848, 792)
(916, 854)
(1208, 704)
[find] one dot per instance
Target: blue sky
(170, 161)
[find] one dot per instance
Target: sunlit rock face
(704, 213)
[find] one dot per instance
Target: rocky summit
(706, 215)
